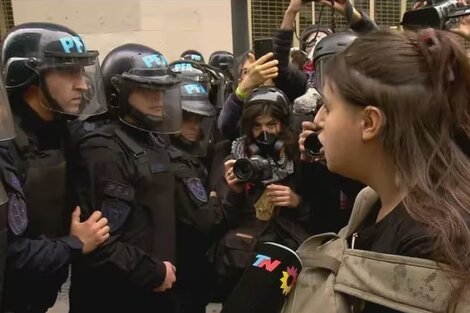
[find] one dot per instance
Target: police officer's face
(266, 123)
(147, 101)
(191, 127)
(67, 87)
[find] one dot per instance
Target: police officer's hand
(282, 196)
(258, 72)
(232, 181)
(92, 232)
(170, 278)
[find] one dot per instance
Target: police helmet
(139, 82)
(191, 71)
(325, 49)
(38, 53)
(222, 60)
(195, 99)
(192, 55)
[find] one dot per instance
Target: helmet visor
(150, 106)
(72, 84)
(320, 70)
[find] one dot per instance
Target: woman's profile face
(340, 134)
(266, 123)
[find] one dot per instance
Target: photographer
(262, 203)
(290, 80)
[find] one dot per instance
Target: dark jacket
(199, 216)
(125, 173)
(247, 230)
(229, 117)
(36, 265)
(329, 195)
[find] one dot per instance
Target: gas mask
(267, 144)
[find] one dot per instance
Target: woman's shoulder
(397, 233)
(415, 238)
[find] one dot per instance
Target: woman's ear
(373, 120)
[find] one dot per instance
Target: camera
(313, 146)
(255, 169)
(437, 14)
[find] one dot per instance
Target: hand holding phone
(258, 72)
(262, 46)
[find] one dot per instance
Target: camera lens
(312, 145)
(243, 170)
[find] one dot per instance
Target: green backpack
(337, 279)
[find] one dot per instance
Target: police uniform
(199, 218)
(33, 168)
(37, 266)
(126, 174)
(124, 170)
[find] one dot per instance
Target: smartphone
(262, 46)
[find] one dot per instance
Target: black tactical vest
(153, 182)
(45, 190)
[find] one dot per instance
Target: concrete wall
(170, 26)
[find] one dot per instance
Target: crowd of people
(155, 182)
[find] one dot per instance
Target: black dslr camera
(255, 169)
(439, 14)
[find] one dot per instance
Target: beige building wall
(170, 26)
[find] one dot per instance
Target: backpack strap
(320, 260)
(402, 283)
(365, 200)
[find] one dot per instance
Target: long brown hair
(248, 118)
(421, 82)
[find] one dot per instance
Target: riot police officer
(197, 206)
(124, 168)
(50, 76)
(224, 61)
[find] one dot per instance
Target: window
(6, 17)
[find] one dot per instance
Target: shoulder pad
(129, 143)
(106, 131)
(175, 153)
